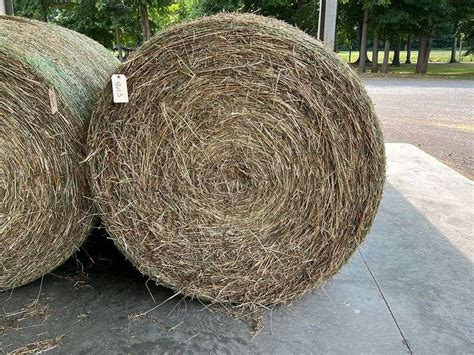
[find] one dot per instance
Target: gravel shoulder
(435, 115)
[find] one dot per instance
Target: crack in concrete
(404, 339)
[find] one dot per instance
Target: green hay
(45, 213)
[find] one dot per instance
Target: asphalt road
(435, 115)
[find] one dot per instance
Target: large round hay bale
(248, 165)
(45, 210)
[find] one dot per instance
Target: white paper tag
(53, 100)
(119, 88)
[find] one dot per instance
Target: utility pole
(327, 23)
(6, 7)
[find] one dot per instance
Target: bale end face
(248, 165)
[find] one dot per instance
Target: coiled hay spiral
(248, 165)
(44, 211)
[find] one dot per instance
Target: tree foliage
(36, 9)
(133, 20)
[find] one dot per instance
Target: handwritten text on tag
(119, 88)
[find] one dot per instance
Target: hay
(248, 165)
(44, 213)
(39, 347)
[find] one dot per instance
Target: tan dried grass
(248, 165)
(44, 210)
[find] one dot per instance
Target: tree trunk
(408, 60)
(117, 42)
(363, 42)
(359, 34)
(357, 61)
(44, 10)
(453, 49)
(375, 54)
(350, 53)
(454, 42)
(423, 55)
(386, 55)
(396, 53)
(145, 21)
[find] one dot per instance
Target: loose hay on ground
(44, 211)
(248, 165)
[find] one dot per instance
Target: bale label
(53, 101)
(119, 88)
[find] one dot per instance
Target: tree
(408, 59)
(301, 13)
(369, 6)
(358, 15)
(144, 19)
(348, 24)
(392, 22)
(386, 52)
(208, 7)
(467, 28)
(122, 23)
(120, 19)
(461, 13)
(96, 19)
(144, 7)
(36, 9)
(375, 53)
(396, 51)
(363, 40)
(389, 22)
(427, 17)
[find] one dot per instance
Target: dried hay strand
(44, 211)
(247, 167)
(39, 347)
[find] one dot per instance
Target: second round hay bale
(247, 166)
(45, 210)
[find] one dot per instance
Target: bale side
(45, 212)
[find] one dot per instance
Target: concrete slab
(442, 195)
(348, 315)
(411, 281)
(424, 261)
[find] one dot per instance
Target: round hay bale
(248, 165)
(44, 212)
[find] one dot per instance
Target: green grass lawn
(448, 71)
(438, 66)
(436, 56)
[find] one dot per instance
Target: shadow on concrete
(426, 280)
(94, 298)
